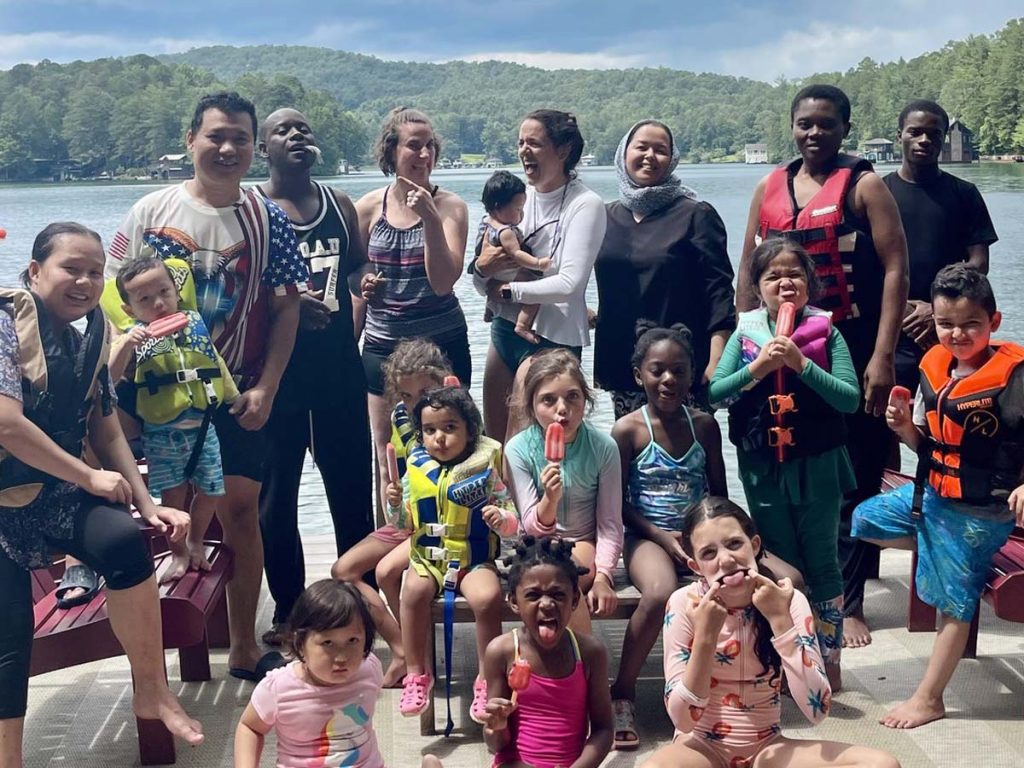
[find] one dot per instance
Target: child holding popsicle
(548, 703)
(787, 395)
(180, 381)
(457, 507)
(415, 367)
(569, 481)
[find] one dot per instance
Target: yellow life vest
(445, 503)
(58, 389)
(180, 371)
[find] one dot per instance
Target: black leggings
(341, 448)
(105, 538)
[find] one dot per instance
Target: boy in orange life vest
(967, 427)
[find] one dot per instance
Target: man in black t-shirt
(945, 221)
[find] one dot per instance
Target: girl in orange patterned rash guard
(729, 639)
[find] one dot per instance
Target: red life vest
(975, 446)
(821, 228)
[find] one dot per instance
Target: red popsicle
(392, 464)
(165, 326)
(786, 319)
(554, 442)
(518, 677)
(451, 381)
(899, 397)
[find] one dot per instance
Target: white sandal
(624, 718)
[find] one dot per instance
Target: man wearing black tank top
(321, 403)
(945, 220)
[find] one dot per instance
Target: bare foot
(159, 703)
(197, 556)
(855, 632)
(180, 560)
(395, 672)
(914, 712)
(526, 333)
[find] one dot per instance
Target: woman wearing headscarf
(664, 259)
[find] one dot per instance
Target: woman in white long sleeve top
(563, 220)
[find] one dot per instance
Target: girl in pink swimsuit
(728, 640)
(562, 717)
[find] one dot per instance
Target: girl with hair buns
(663, 258)
(558, 714)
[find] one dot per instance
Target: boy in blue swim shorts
(180, 381)
(967, 427)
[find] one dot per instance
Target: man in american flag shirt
(249, 274)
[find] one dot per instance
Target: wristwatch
(506, 293)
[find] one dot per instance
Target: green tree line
(121, 114)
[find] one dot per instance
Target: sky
(760, 39)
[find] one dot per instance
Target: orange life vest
(975, 446)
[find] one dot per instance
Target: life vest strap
(154, 381)
(435, 554)
(451, 581)
(439, 530)
(813, 235)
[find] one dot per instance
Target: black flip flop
(268, 661)
(77, 577)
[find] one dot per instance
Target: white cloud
(823, 47)
(559, 60)
(349, 35)
(32, 47)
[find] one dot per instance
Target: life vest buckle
(211, 393)
(186, 375)
(436, 529)
(780, 436)
(781, 404)
(451, 575)
(435, 554)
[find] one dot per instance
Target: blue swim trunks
(168, 449)
(954, 550)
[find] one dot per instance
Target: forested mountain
(119, 114)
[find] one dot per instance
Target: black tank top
(325, 368)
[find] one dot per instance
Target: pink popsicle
(165, 326)
(554, 442)
(392, 464)
(900, 396)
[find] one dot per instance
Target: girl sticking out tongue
(561, 714)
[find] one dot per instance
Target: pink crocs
(478, 709)
(415, 694)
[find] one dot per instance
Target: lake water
(25, 210)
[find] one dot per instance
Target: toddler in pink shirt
(321, 705)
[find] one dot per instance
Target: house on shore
(755, 154)
(959, 144)
(171, 167)
(877, 151)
